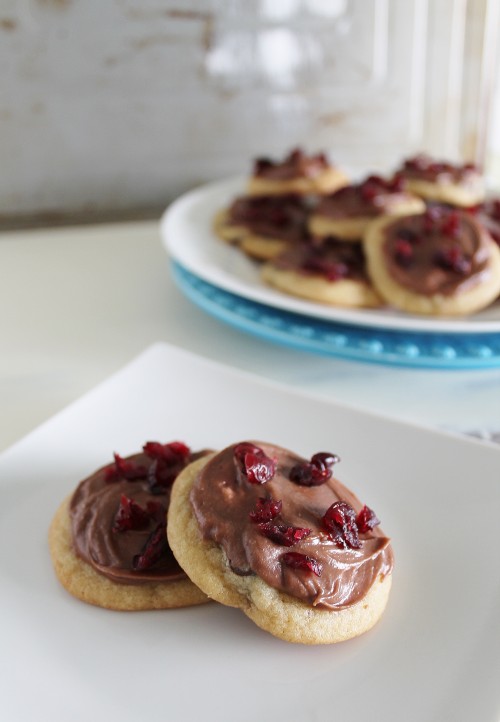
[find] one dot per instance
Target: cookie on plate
(298, 173)
(330, 272)
(263, 226)
(456, 184)
(260, 528)
(440, 263)
(108, 540)
(349, 211)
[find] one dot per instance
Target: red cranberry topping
(265, 510)
(130, 516)
(282, 534)
(339, 521)
(302, 561)
(403, 252)
(155, 546)
(453, 259)
(315, 472)
(366, 520)
(168, 462)
(123, 469)
(451, 224)
(375, 185)
(257, 467)
(171, 452)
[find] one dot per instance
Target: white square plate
(434, 656)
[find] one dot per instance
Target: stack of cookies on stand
(423, 241)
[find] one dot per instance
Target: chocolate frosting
(331, 258)
(296, 165)
(222, 501)
(93, 510)
(371, 198)
(424, 257)
(282, 217)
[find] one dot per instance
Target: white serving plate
(434, 656)
(188, 236)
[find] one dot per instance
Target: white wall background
(120, 105)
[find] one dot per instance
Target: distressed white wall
(123, 104)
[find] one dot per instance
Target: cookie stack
(273, 214)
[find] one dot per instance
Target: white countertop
(79, 303)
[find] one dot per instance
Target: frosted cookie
(260, 528)
(441, 262)
(331, 272)
(297, 173)
(263, 226)
(349, 211)
(108, 540)
(458, 185)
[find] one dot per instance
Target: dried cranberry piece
(366, 520)
(123, 469)
(295, 560)
(451, 224)
(403, 252)
(315, 472)
(265, 510)
(168, 462)
(154, 548)
(130, 516)
(282, 534)
(257, 467)
(397, 183)
(453, 259)
(171, 452)
(339, 521)
(371, 188)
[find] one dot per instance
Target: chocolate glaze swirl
(371, 198)
(93, 510)
(441, 251)
(331, 258)
(282, 217)
(222, 502)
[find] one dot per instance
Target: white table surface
(79, 303)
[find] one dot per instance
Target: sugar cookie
(259, 528)
(458, 185)
(441, 262)
(108, 540)
(297, 173)
(263, 226)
